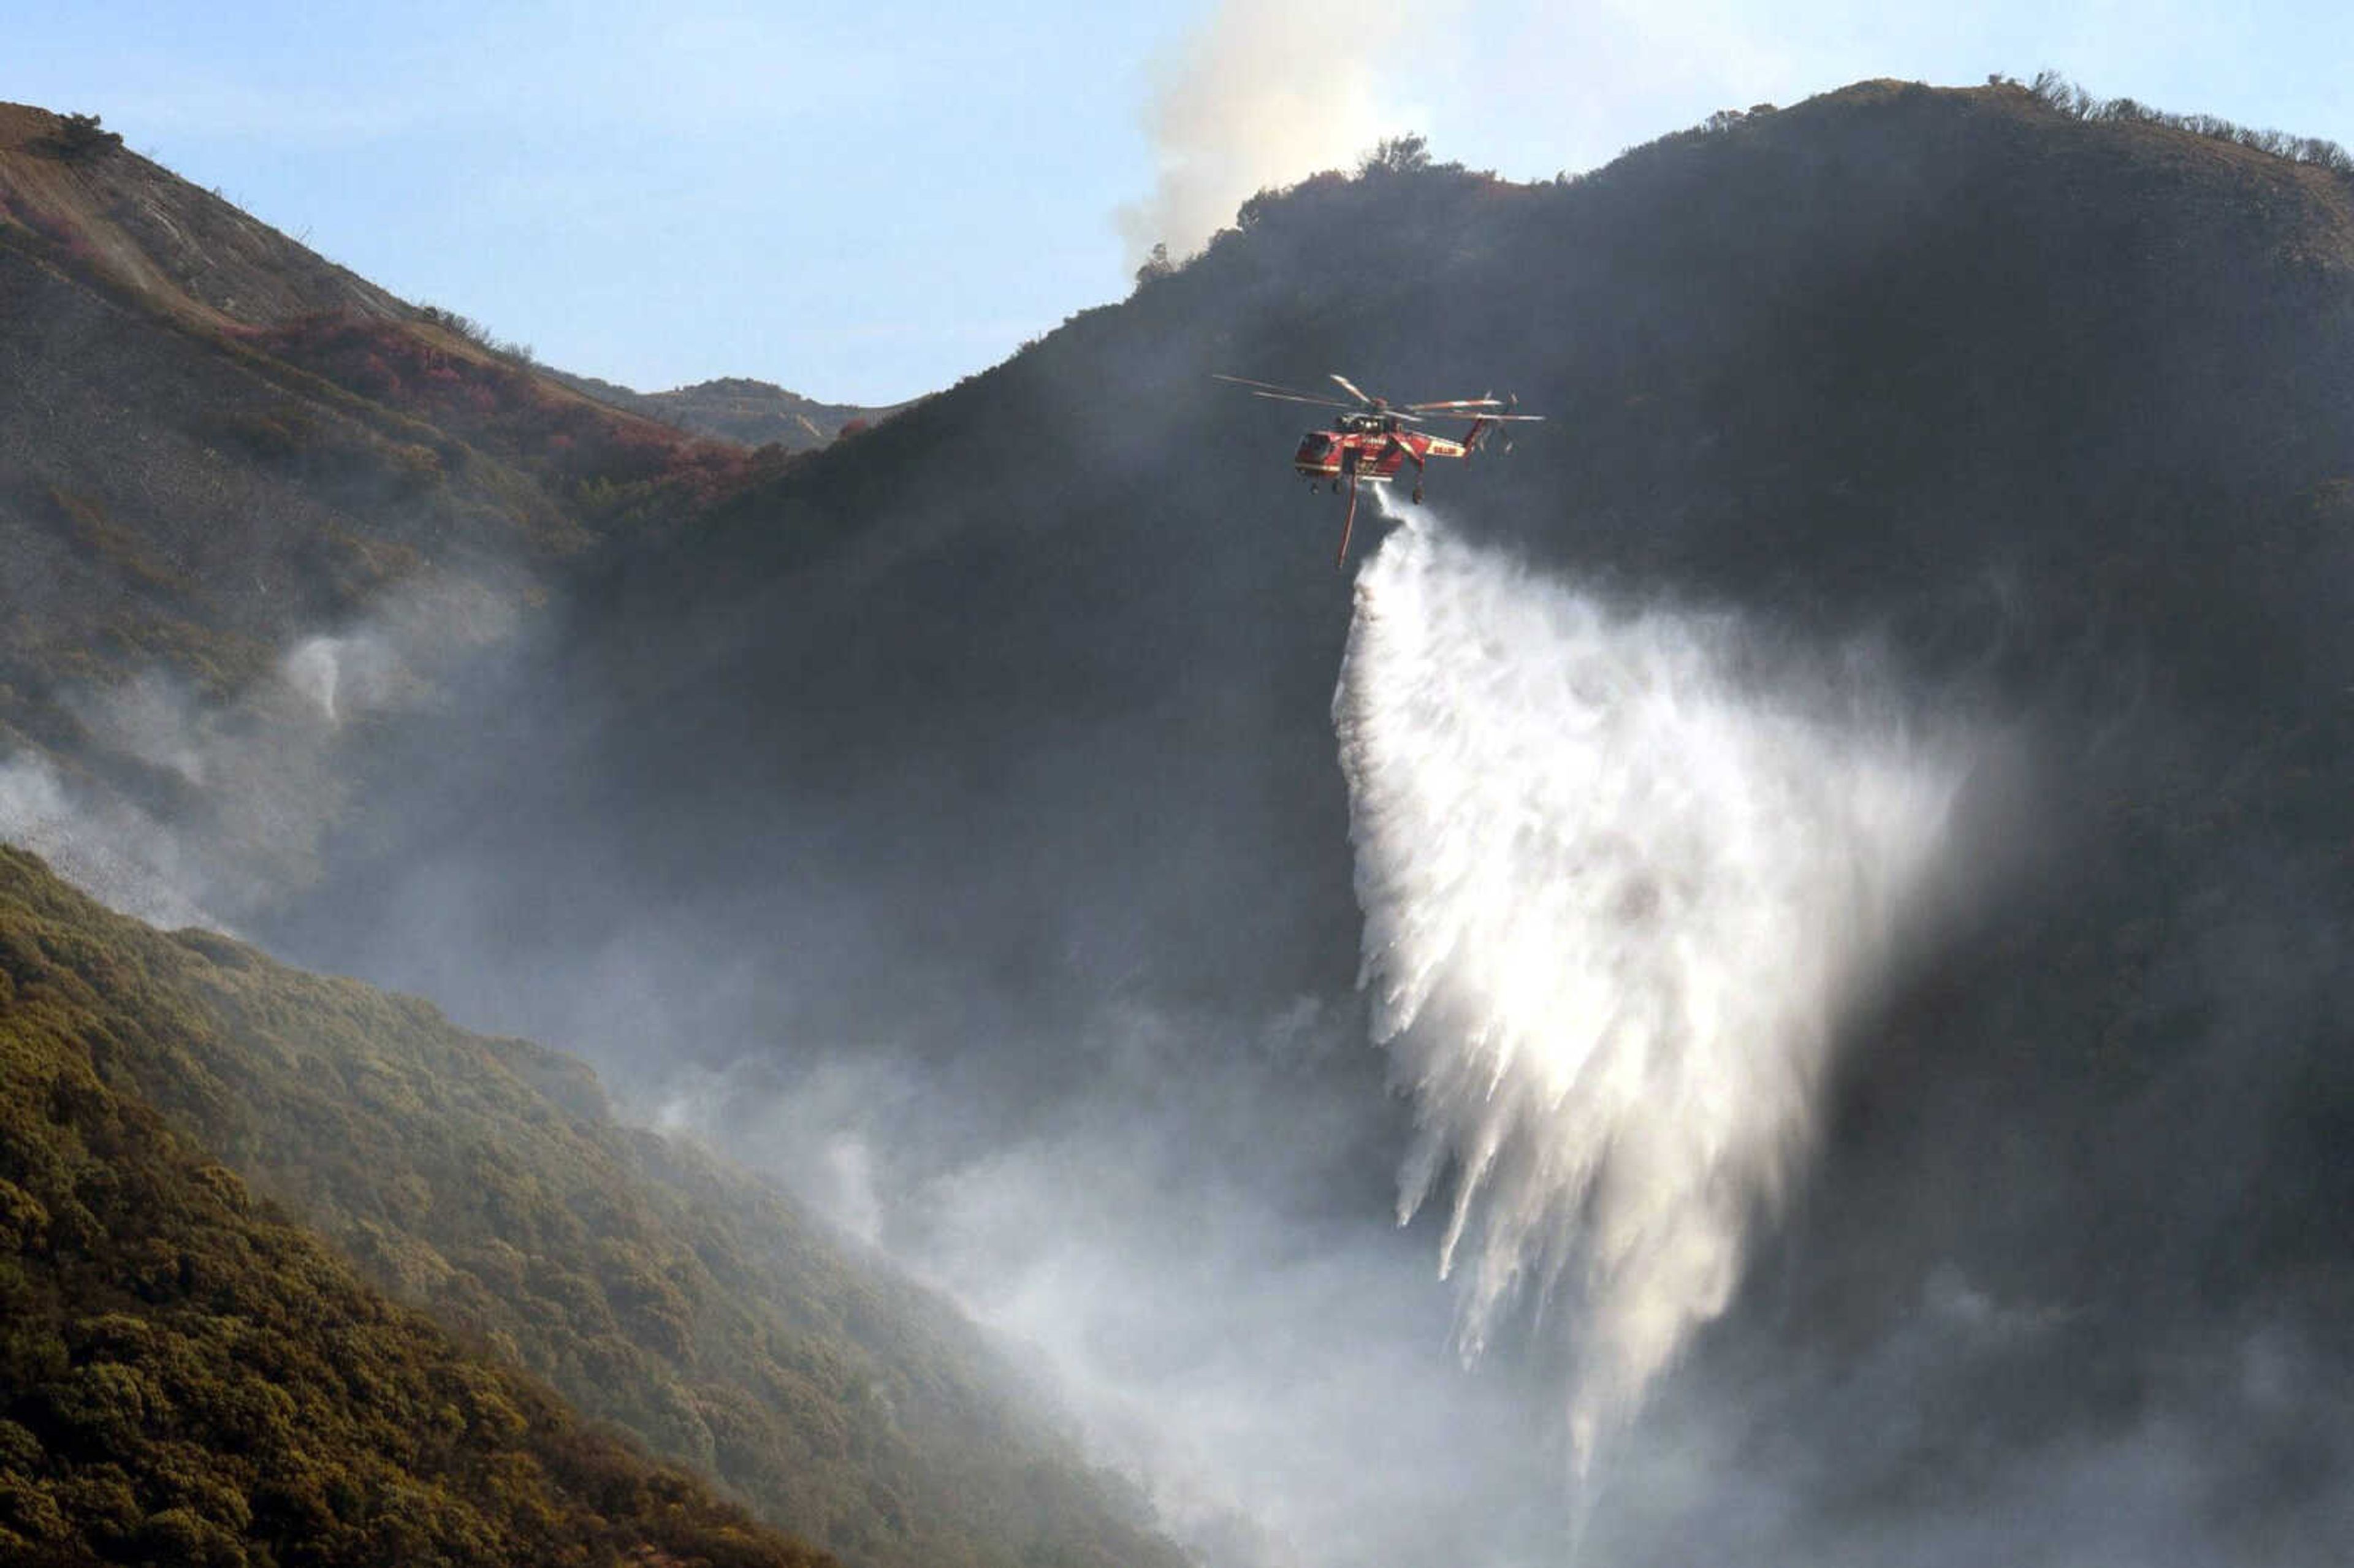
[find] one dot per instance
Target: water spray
(1619, 897)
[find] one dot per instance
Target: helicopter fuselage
(1372, 447)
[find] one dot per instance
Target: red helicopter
(1369, 442)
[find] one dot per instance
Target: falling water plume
(1619, 892)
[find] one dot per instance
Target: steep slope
(187, 250)
(484, 1180)
(74, 200)
(217, 450)
(982, 737)
(185, 1377)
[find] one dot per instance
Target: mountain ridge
(740, 408)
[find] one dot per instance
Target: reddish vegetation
(503, 408)
(55, 230)
(71, 198)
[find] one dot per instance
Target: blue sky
(863, 202)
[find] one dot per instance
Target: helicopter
(1370, 439)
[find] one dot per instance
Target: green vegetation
(484, 1180)
(81, 137)
(1404, 154)
(478, 334)
(1156, 266)
(188, 1378)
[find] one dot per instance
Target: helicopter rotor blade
(1457, 405)
(1266, 385)
(1487, 407)
(1295, 397)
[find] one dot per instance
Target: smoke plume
(1619, 887)
(111, 851)
(256, 778)
(1262, 95)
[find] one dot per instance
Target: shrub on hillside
(79, 138)
(2058, 92)
(501, 405)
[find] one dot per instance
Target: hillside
(91, 213)
(219, 450)
(737, 408)
(484, 1181)
(187, 1377)
(983, 736)
(187, 250)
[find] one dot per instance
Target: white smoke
(314, 668)
(262, 767)
(1263, 94)
(392, 659)
(1617, 899)
(1144, 1257)
(113, 851)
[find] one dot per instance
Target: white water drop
(1615, 900)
